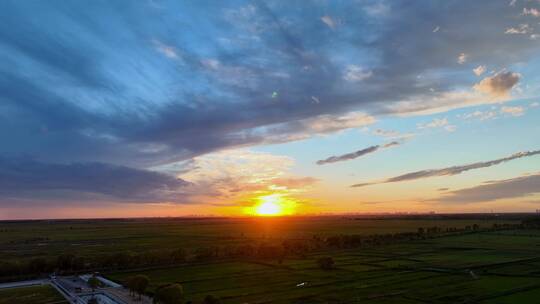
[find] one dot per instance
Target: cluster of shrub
(165, 294)
(278, 251)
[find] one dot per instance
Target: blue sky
(115, 108)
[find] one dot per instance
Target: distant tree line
(277, 251)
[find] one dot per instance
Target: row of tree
(70, 263)
(164, 294)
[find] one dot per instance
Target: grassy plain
(485, 267)
(479, 267)
(31, 295)
(30, 239)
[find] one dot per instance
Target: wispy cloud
(479, 70)
(521, 29)
(354, 73)
(479, 115)
(494, 190)
(449, 171)
(513, 111)
(437, 123)
(167, 50)
(331, 23)
(462, 58)
(531, 12)
(356, 154)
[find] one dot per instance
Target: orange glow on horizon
(272, 205)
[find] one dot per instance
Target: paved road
(74, 288)
(24, 283)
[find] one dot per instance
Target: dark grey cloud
(89, 81)
(518, 187)
(112, 90)
(450, 170)
(356, 154)
(29, 179)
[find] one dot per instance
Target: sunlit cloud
(172, 107)
(235, 177)
(498, 85)
(479, 115)
(518, 187)
(479, 70)
(513, 111)
(449, 171)
(356, 154)
(531, 12)
(521, 29)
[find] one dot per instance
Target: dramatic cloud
(134, 84)
(166, 93)
(356, 154)
(450, 170)
(29, 179)
(498, 85)
(233, 176)
(518, 187)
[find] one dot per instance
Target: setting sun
(269, 205)
(272, 205)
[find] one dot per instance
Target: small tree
(325, 263)
(178, 255)
(131, 285)
(92, 301)
(141, 283)
(169, 294)
(93, 282)
(210, 299)
(38, 265)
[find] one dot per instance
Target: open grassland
(87, 238)
(31, 295)
(472, 265)
(483, 267)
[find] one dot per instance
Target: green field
(25, 240)
(499, 266)
(31, 295)
(505, 269)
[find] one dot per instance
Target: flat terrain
(486, 267)
(30, 239)
(480, 266)
(31, 295)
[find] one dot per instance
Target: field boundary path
(75, 290)
(27, 283)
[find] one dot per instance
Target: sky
(172, 108)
